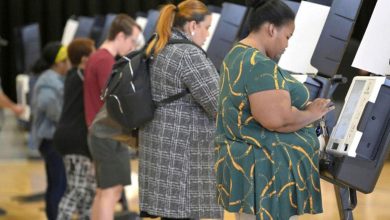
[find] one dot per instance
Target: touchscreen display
(349, 108)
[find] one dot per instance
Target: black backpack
(128, 94)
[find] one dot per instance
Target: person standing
(267, 150)
(5, 102)
(17, 109)
(70, 138)
(46, 106)
(110, 157)
(176, 157)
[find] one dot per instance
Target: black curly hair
(273, 11)
(47, 58)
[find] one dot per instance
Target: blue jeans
(56, 177)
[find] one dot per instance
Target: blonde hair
(176, 16)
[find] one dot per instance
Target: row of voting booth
(226, 24)
(354, 152)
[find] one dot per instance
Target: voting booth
(27, 48)
(23, 96)
(141, 21)
(226, 32)
(359, 143)
(313, 56)
(244, 30)
(151, 23)
(84, 27)
(318, 44)
(70, 30)
(309, 23)
(106, 28)
(215, 16)
(293, 5)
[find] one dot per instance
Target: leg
(87, 187)
(80, 188)
(112, 173)
(56, 178)
(68, 203)
(123, 201)
(105, 201)
(43, 150)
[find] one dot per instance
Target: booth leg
(346, 202)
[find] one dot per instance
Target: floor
(21, 177)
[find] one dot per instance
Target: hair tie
(176, 9)
(62, 54)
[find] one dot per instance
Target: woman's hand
(273, 110)
(320, 107)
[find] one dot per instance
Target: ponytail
(163, 29)
(176, 16)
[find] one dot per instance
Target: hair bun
(255, 3)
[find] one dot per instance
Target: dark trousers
(56, 178)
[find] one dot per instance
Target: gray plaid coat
(176, 176)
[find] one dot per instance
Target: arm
(201, 78)
(5, 102)
(49, 102)
(103, 72)
(278, 114)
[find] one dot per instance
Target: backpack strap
(153, 37)
(186, 91)
(123, 60)
(185, 41)
(173, 98)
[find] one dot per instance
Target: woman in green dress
(266, 146)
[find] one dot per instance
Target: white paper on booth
(214, 21)
(69, 31)
(309, 22)
(373, 54)
(141, 21)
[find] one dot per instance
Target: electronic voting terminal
(360, 141)
(348, 131)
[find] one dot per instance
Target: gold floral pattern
(272, 175)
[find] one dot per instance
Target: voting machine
(359, 143)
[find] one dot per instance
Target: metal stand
(346, 201)
(345, 196)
